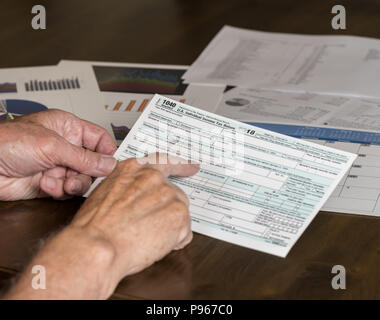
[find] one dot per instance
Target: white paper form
(357, 113)
(343, 65)
(344, 123)
(359, 190)
(256, 188)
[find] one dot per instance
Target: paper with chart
(33, 89)
(126, 89)
(40, 79)
(344, 123)
(343, 65)
(260, 105)
(256, 188)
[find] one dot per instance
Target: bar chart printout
(49, 85)
(256, 188)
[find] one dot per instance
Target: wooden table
(174, 32)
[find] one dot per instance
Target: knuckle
(54, 111)
(180, 206)
(167, 191)
(49, 144)
(128, 165)
(179, 210)
(179, 193)
(152, 175)
(120, 166)
(119, 181)
(63, 114)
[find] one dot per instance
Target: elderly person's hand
(134, 218)
(139, 211)
(52, 153)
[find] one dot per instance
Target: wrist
(98, 257)
(77, 266)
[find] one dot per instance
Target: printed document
(345, 65)
(259, 105)
(256, 188)
(32, 89)
(344, 123)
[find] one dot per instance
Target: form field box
(261, 181)
(350, 205)
(229, 211)
(245, 226)
(210, 215)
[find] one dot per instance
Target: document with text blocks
(256, 188)
(330, 64)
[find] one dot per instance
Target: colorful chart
(8, 87)
(140, 80)
(131, 105)
(120, 132)
(12, 108)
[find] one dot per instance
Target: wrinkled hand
(139, 212)
(42, 155)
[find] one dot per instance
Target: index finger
(96, 138)
(170, 165)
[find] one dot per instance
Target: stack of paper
(112, 95)
(341, 65)
(321, 89)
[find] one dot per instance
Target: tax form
(256, 188)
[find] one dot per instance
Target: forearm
(78, 266)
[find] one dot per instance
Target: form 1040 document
(256, 188)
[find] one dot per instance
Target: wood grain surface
(175, 32)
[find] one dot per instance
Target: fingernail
(77, 186)
(50, 182)
(107, 164)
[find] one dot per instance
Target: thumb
(84, 161)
